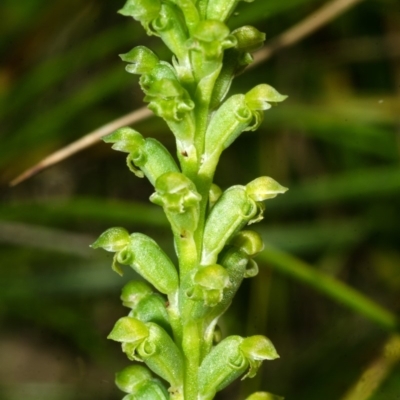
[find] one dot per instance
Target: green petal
(113, 239)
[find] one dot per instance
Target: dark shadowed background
(328, 294)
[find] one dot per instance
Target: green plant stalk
(214, 253)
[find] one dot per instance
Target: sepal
(113, 239)
(256, 349)
(140, 384)
(230, 359)
(264, 188)
(129, 330)
(141, 60)
(144, 11)
(261, 97)
(179, 198)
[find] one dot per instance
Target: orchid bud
(150, 343)
(177, 194)
(229, 359)
(144, 11)
(139, 382)
(147, 157)
(146, 305)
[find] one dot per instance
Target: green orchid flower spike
(171, 329)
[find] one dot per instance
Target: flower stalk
(172, 326)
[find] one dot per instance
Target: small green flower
(238, 206)
(178, 196)
(147, 157)
(230, 359)
(143, 254)
(144, 11)
(149, 343)
(208, 284)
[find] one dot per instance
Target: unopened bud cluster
(172, 324)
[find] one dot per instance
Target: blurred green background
(328, 294)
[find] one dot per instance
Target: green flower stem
(191, 346)
(214, 254)
(175, 317)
